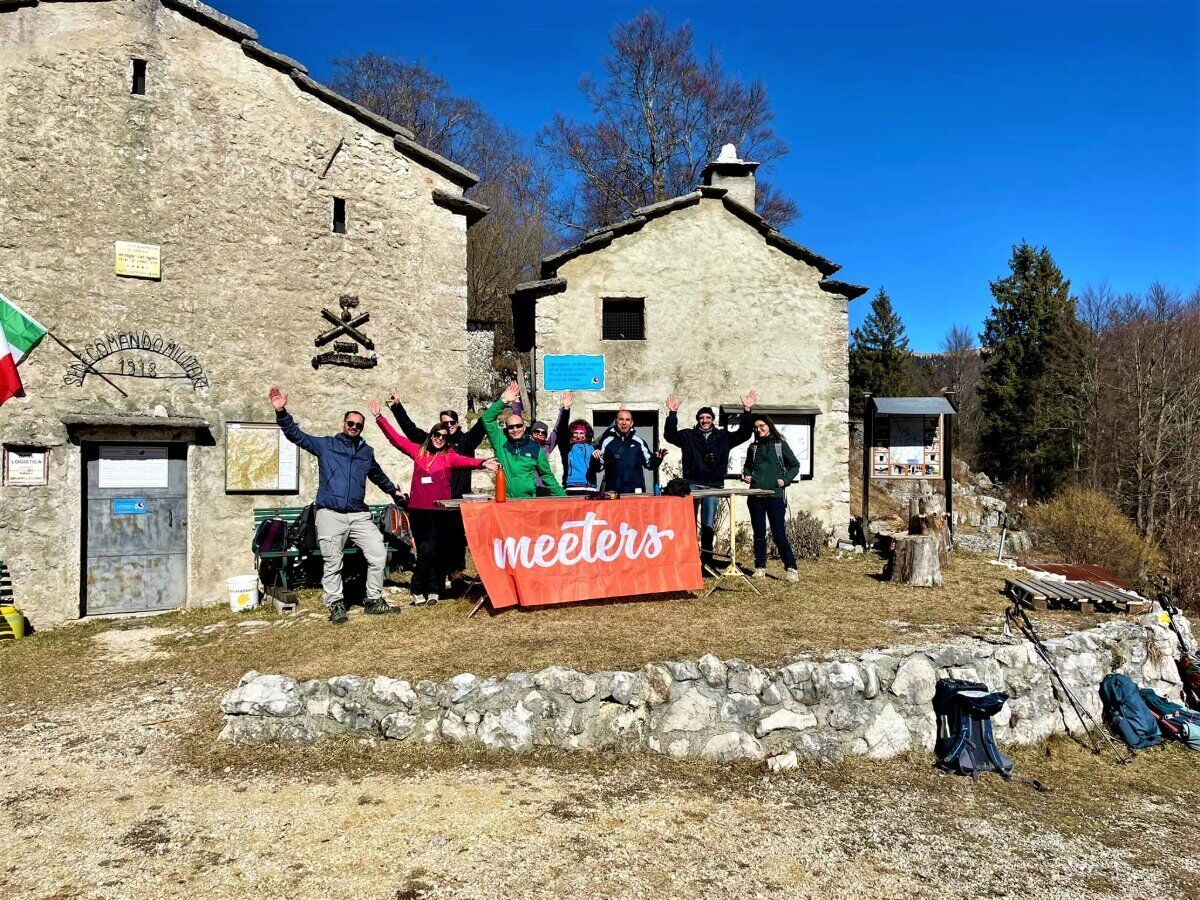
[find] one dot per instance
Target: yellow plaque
(138, 260)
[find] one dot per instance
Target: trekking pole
(1021, 619)
(1003, 535)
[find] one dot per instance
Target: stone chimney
(733, 174)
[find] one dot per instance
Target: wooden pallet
(1038, 593)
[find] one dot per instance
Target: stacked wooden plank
(1082, 596)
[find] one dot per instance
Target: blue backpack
(1176, 722)
(1127, 712)
(965, 743)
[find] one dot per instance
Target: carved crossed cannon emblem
(347, 325)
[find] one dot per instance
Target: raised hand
(511, 393)
(622, 408)
(278, 398)
(373, 406)
(749, 401)
(491, 465)
(393, 398)
(673, 403)
(566, 399)
(660, 452)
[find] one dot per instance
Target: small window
(624, 319)
(138, 86)
(339, 215)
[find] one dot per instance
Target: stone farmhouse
(198, 219)
(700, 297)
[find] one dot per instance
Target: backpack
(302, 534)
(1176, 722)
(394, 524)
(965, 743)
(271, 536)
(1126, 711)
(753, 449)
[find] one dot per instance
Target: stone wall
(231, 168)
(875, 704)
(725, 313)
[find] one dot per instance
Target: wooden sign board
(138, 260)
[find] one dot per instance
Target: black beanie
(705, 409)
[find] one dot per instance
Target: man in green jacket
(518, 454)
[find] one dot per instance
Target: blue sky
(927, 137)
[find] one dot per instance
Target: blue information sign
(573, 373)
(129, 506)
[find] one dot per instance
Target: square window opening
(138, 84)
(339, 215)
(624, 319)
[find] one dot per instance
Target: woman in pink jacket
(433, 461)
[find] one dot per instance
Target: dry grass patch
(839, 605)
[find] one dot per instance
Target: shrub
(805, 533)
(1181, 549)
(1085, 526)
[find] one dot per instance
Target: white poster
(289, 465)
(133, 467)
(799, 438)
(26, 468)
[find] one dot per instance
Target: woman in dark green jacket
(771, 465)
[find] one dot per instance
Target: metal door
(135, 527)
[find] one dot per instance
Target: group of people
(443, 457)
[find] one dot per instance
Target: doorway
(134, 545)
(645, 426)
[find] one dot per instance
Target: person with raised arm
(546, 438)
(625, 457)
(770, 465)
(434, 464)
(519, 455)
(705, 451)
(580, 467)
(345, 462)
(452, 537)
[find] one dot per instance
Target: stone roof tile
(273, 59)
(215, 20)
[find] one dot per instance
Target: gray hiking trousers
(333, 530)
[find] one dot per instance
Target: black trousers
(453, 538)
(431, 532)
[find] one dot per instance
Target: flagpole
(88, 366)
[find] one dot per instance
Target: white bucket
(243, 592)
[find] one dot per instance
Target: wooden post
(868, 461)
(948, 425)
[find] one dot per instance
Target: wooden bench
(277, 587)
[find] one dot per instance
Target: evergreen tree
(880, 359)
(1033, 353)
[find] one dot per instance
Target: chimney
(733, 174)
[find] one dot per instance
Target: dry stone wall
(876, 704)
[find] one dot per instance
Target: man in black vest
(705, 450)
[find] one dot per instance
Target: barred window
(624, 319)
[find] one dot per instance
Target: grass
(838, 605)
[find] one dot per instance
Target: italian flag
(18, 335)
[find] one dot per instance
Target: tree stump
(916, 561)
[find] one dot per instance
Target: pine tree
(880, 359)
(1033, 348)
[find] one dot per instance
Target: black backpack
(271, 536)
(302, 534)
(965, 744)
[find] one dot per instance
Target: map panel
(259, 459)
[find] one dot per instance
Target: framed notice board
(260, 460)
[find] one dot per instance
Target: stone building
(700, 297)
(254, 199)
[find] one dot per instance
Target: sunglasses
(441, 434)
(514, 427)
(449, 423)
(357, 426)
(539, 431)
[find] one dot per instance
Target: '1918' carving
(133, 342)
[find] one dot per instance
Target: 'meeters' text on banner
(532, 553)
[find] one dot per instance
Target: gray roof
(602, 237)
(736, 409)
(912, 406)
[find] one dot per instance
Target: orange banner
(536, 552)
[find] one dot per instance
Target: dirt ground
(112, 785)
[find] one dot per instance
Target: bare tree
(505, 246)
(659, 116)
(960, 355)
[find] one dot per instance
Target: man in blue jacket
(705, 451)
(625, 456)
(344, 463)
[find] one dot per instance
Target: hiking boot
(759, 573)
(419, 600)
(792, 575)
(376, 607)
(337, 613)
